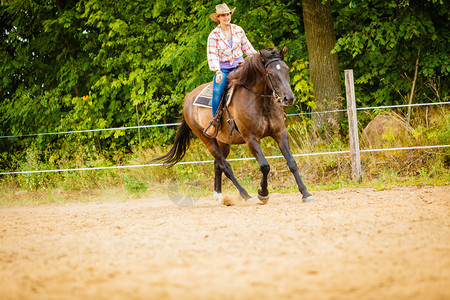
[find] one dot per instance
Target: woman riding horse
(261, 90)
(224, 51)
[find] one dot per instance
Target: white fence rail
(354, 147)
(229, 160)
(176, 124)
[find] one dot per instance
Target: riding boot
(211, 131)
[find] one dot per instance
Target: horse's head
(278, 75)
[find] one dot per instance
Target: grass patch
(380, 170)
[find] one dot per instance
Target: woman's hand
(219, 77)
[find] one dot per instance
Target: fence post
(353, 126)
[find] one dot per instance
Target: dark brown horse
(261, 90)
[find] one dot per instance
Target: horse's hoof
(263, 199)
(245, 196)
(308, 199)
(218, 197)
(250, 201)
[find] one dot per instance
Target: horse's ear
(283, 51)
(261, 56)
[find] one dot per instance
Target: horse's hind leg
(226, 168)
(218, 181)
(225, 149)
(283, 143)
(221, 165)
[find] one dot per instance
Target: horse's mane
(253, 68)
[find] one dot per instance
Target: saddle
(204, 99)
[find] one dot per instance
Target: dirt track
(348, 244)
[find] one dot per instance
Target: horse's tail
(180, 145)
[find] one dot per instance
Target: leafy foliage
(382, 40)
(72, 65)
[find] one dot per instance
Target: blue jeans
(218, 89)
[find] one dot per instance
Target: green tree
(324, 65)
(71, 64)
(383, 40)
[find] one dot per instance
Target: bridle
(274, 91)
(274, 95)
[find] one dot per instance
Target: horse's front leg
(255, 148)
(283, 143)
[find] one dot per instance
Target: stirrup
(214, 123)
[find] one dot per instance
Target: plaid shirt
(218, 49)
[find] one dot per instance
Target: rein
(274, 91)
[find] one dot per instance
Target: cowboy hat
(220, 10)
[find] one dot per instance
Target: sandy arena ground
(348, 244)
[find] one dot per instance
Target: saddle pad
(204, 98)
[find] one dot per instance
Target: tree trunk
(324, 66)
